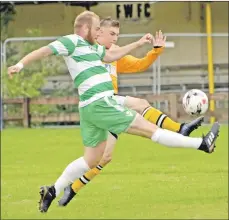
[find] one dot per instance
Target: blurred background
(43, 94)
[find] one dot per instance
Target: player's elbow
(141, 65)
(45, 51)
(108, 58)
(142, 69)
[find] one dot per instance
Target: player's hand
(159, 39)
(147, 38)
(12, 70)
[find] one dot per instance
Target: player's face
(108, 36)
(93, 31)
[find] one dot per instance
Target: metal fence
(179, 41)
(1, 97)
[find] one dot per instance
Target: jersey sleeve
(63, 46)
(131, 64)
(101, 51)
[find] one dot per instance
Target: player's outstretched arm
(33, 56)
(131, 64)
(118, 52)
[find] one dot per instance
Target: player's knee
(92, 160)
(144, 103)
(142, 127)
(140, 105)
(107, 158)
(92, 163)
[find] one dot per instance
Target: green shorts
(101, 116)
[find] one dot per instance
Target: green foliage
(23, 86)
(7, 14)
(29, 82)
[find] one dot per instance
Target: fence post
(173, 106)
(26, 113)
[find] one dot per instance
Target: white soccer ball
(195, 102)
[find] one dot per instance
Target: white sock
(173, 139)
(72, 172)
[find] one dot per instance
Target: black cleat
(67, 197)
(208, 143)
(48, 194)
(187, 128)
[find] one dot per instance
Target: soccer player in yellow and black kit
(109, 32)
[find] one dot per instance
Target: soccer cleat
(48, 194)
(208, 143)
(187, 128)
(67, 197)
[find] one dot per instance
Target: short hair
(108, 21)
(84, 18)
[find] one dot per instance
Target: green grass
(144, 180)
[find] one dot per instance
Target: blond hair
(84, 18)
(108, 21)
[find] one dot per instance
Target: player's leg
(160, 119)
(92, 155)
(127, 120)
(110, 115)
(95, 140)
(120, 119)
(139, 105)
(105, 112)
(72, 189)
(143, 128)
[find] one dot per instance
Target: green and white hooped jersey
(84, 62)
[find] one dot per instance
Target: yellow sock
(86, 178)
(161, 120)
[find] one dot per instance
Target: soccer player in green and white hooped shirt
(99, 111)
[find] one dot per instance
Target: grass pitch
(144, 180)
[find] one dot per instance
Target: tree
(7, 13)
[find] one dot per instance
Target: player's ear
(85, 28)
